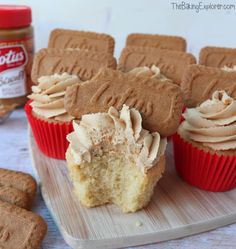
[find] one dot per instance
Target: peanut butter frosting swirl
(152, 72)
(119, 132)
(213, 123)
(48, 96)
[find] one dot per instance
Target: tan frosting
(116, 131)
(229, 69)
(48, 96)
(153, 72)
(213, 123)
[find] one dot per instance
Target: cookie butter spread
(116, 131)
(153, 72)
(16, 54)
(48, 96)
(213, 123)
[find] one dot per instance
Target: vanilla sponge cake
(112, 159)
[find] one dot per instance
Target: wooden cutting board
(176, 209)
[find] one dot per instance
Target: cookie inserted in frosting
(48, 96)
(213, 123)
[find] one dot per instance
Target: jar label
(12, 71)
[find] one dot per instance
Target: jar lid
(15, 16)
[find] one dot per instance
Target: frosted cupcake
(112, 159)
(205, 144)
(49, 121)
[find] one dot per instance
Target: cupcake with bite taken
(205, 144)
(49, 121)
(112, 159)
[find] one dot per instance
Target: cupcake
(49, 121)
(112, 159)
(205, 144)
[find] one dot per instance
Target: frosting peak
(119, 132)
(152, 72)
(213, 123)
(48, 96)
(214, 107)
(229, 69)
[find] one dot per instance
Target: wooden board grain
(176, 210)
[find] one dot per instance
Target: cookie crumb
(138, 223)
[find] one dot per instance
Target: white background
(121, 17)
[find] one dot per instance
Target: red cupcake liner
(183, 110)
(180, 121)
(50, 137)
(204, 170)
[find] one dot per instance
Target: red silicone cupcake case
(50, 137)
(204, 170)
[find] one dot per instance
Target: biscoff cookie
(97, 42)
(18, 180)
(84, 64)
(159, 102)
(20, 228)
(171, 63)
(15, 197)
(199, 83)
(218, 57)
(157, 41)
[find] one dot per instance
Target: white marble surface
(14, 154)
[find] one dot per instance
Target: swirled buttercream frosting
(229, 69)
(152, 72)
(213, 123)
(116, 131)
(48, 96)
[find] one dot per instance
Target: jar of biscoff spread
(16, 54)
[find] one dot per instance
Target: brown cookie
(20, 228)
(160, 102)
(15, 197)
(18, 180)
(157, 41)
(199, 82)
(171, 63)
(97, 42)
(84, 64)
(217, 57)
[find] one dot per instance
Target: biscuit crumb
(5, 109)
(138, 223)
